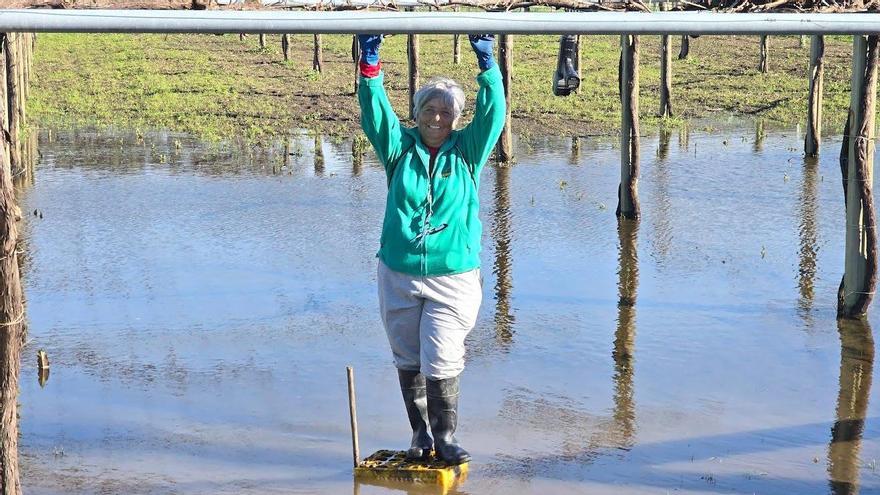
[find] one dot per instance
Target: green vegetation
(221, 87)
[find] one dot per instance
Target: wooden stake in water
(352, 410)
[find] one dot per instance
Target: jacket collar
(422, 150)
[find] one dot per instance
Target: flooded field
(199, 309)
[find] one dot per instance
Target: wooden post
(860, 275)
(814, 105)
(665, 77)
(12, 97)
(22, 82)
(504, 148)
(356, 57)
(456, 44)
(578, 61)
(628, 194)
(318, 55)
(262, 40)
(11, 310)
(762, 63)
(352, 413)
(856, 374)
(685, 47)
(285, 46)
(412, 51)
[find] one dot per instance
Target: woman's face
(435, 121)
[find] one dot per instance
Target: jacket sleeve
(479, 137)
(379, 121)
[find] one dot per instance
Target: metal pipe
(155, 21)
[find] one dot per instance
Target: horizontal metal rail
(347, 22)
(409, 3)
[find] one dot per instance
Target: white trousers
(428, 318)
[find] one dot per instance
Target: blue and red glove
(482, 45)
(369, 63)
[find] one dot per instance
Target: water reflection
(319, 155)
(408, 487)
(357, 157)
(502, 265)
(684, 135)
(758, 145)
(809, 238)
(663, 144)
(660, 219)
(856, 368)
(575, 156)
(625, 336)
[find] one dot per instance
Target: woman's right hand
(369, 44)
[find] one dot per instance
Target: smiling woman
(430, 287)
(437, 107)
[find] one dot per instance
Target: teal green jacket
(432, 224)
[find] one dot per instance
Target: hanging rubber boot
(565, 79)
(412, 386)
(443, 414)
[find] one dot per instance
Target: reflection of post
(663, 144)
(502, 267)
(856, 369)
(575, 150)
(759, 137)
(684, 135)
(809, 234)
(319, 155)
(625, 336)
(662, 243)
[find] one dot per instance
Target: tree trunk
(412, 51)
(762, 63)
(356, 57)
(504, 148)
(318, 55)
(665, 77)
(628, 191)
(12, 98)
(860, 273)
(814, 105)
(456, 45)
(11, 311)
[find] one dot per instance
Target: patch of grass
(221, 87)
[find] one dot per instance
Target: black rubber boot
(412, 386)
(443, 414)
(565, 79)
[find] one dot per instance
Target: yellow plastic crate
(393, 465)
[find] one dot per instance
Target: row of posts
(856, 156)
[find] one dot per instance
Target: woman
(429, 255)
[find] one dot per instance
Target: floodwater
(199, 308)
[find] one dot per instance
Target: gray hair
(447, 90)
